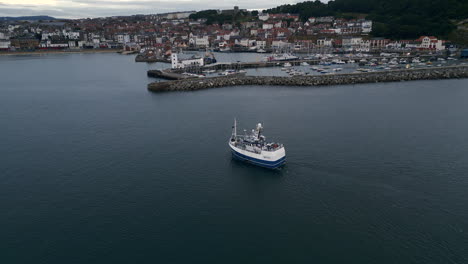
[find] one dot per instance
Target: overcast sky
(99, 8)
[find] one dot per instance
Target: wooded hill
(397, 19)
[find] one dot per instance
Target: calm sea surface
(95, 169)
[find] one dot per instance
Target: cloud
(100, 8)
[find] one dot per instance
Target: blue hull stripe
(263, 163)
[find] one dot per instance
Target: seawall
(448, 72)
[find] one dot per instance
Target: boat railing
(256, 148)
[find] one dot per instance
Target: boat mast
(259, 130)
(234, 129)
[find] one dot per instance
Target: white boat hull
(267, 159)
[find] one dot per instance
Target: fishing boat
(253, 148)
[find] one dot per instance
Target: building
(324, 42)
(279, 44)
(366, 26)
(5, 44)
(326, 19)
(379, 43)
(202, 42)
(123, 38)
(232, 11)
(247, 42)
(3, 35)
(24, 43)
(263, 16)
(351, 42)
(180, 64)
(261, 44)
(267, 26)
(431, 42)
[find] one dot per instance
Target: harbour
(172, 74)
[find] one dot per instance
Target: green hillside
(398, 19)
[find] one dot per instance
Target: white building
(394, 45)
(352, 42)
(202, 42)
(180, 64)
(4, 44)
(366, 26)
(279, 44)
(325, 42)
(45, 36)
(71, 34)
(431, 43)
(247, 42)
(326, 19)
(267, 26)
(50, 44)
(263, 17)
(123, 38)
(365, 46)
(261, 44)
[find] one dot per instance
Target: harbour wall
(449, 72)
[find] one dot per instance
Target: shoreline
(449, 72)
(40, 52)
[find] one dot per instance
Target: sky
(102, 8)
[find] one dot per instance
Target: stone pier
(449, 72)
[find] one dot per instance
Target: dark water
(95, 169)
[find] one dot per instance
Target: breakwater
(448, 72)
(142, 58)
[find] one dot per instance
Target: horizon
(79, 9)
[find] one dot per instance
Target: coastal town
(165, 33)
(190, 44)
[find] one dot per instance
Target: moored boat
(281, 57)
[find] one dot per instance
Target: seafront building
(176, 63)
(177, 30)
